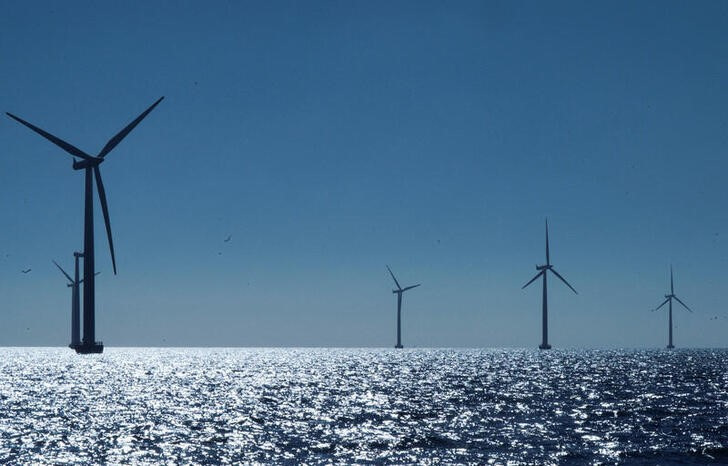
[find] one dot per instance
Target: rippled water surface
(364, 406)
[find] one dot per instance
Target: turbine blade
(683, 304)
(113, 142)
(63, 272)
(548, 259)
(73, 150)
(105, 210)
(394, 278)
(663, 303)
(410, 287)
(672, 286)
(533, 279)
(563, 280)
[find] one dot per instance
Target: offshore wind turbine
(91, 166)
(399, 291)
(543, 272)
(74, 283)
(668, 300)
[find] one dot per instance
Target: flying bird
(26, 270)
(227, 240)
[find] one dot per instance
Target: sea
(363, 406)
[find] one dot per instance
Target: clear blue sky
(332, 138)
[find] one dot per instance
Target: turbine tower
(74, 283)
(543, 272)
(668, 300)
(91, 166)
(399, 292)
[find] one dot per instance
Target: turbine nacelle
(87, 163)
(544, 267)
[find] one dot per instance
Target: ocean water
(489, 406)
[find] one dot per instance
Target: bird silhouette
(26, 270)
(227, 240)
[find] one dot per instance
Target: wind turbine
(91, 166)
(668, 299)
(74, 283)
(399, 292)
(543, 272)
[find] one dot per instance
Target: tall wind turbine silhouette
(399, 292)
(74, 283)
(668, 300)
(91, 166)
(542, 272)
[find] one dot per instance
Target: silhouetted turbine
(74, 283)
(542, 272)
(669, 298)
(399, 292)
(91, 165)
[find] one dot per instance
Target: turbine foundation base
(398, 346)
(544, 346)
(89, 348)
(670, 347)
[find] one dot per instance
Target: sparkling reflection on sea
(498, 406)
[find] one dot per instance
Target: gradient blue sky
(332, 138)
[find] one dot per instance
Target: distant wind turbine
(74, 283)
(542, 272)
(668, 300)
(91, 166)
(399, 292)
